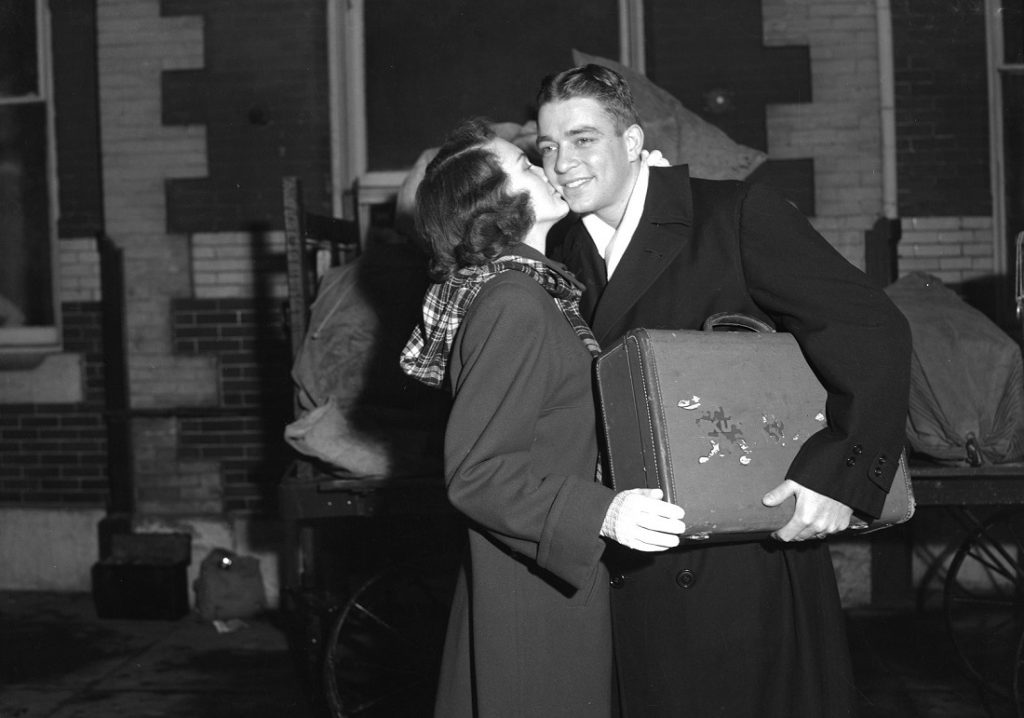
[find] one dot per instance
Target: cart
(369, 561)
(983, 587)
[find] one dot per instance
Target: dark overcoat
(755, 628)
(529, 633)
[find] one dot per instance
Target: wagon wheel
(984, 600)
(1018, 679)
(384, 649)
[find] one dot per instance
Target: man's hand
(640, 520)
(654, 158)
(815, 517)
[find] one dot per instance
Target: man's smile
(575, 183)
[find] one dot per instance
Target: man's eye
(584, 140)
(546, 149)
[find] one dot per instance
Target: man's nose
(564, 159)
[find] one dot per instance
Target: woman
(528, 633)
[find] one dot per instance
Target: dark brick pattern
(56, 454)
(263, 98)
(77, 118)
(942, 133)
(245, 437)
(725, 43)
(696, 47)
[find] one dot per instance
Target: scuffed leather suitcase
(715, 419)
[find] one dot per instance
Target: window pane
(1013, 151)
(1013, 31)
(19, 67)
(431, 64)
(26, 289)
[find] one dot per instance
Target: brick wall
(953, 249)
(79, 262)
(135, 46)
(239, 264)
(261, 95)
(840, 128)
(942, 138)
(57, 453)
(941, 108)
(244, 439)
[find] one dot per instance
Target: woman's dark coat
(530, 632)
(750, 629)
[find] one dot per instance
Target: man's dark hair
(598, 83)
(463, 206)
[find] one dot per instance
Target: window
(29, 317)
(403, 83)
(1006, 86)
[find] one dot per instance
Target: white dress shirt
(611, 242)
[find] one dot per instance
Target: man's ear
(634, 137)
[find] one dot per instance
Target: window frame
(998, 67)
(354, 187)
(42, 338)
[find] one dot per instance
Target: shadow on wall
(994, 296)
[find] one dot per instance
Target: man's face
(592, 165)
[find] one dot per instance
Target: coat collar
(524, 250)
(665, 227)
(669, 196)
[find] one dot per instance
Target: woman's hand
(639, 519)
(653, 158)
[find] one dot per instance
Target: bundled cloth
(357, 411)
(966, 381)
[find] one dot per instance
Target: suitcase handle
(731, 321)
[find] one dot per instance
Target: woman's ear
(634, 137)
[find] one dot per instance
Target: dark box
(145, 577)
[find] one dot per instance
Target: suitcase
(714, 419)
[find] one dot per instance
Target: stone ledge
(57, 379)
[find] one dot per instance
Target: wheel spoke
(374, 616)
(385, 645)
(984, 604)
(998, 561)
(1012, 527)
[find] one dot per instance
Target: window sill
(50, 379)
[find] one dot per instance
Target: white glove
(640, 520)
(654, 158)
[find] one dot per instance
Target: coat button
(851, 461)
(617, 581)
(686, 578)
(858, 449)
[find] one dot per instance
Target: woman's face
(524, 176)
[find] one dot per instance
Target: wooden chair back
(313, 244)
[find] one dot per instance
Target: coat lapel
(577, 253)
(666, 226)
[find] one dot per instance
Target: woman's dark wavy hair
(463, 206)
(597, 82)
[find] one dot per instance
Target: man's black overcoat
(756, 628)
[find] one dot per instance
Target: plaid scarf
(425, 355)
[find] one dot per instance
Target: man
(748, 628)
